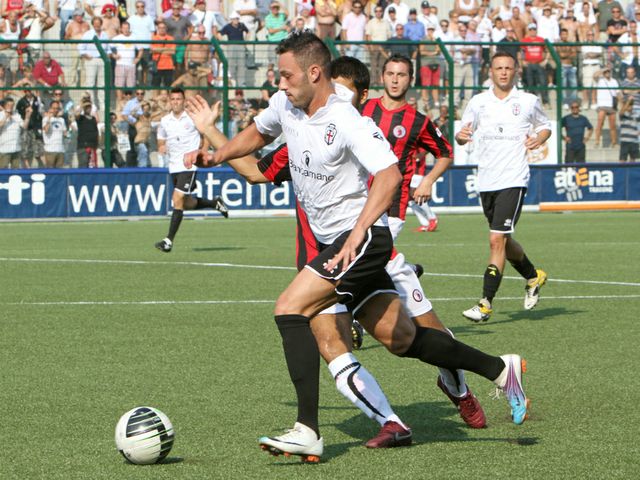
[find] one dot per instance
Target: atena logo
(571, 182)
(471, 184)
(19, 190)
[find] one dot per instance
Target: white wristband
(416, 180)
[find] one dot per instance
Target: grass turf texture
(217, 370)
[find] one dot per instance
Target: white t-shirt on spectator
(591, 49)
(67, 4)
(127, 51)
(142, 28)
(402, 12)
(248, 20)
(208, 19)
(484, 29)
(607, 91)
(548, 27)
(354, 25)
(97, 5)
(10, 133)
(627, 49)
(54, 138)
(498, 34)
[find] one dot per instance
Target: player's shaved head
(307, 49)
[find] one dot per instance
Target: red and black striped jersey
(408, 131)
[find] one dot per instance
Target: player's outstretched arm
(384, 185)
(423, 192)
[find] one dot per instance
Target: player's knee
(283, 306)
(497, 242)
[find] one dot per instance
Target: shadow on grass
(216, 249)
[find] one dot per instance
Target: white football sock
(359, 386)
(454, 379)
(419, 213)
(427, 210)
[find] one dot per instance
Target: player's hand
(465, 134)
(201, 113)
(532, 142)
(347, 253)
(422, 194)
(190, 158)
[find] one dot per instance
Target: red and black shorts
(502, 208)
(366, 276)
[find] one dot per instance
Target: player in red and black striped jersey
(408, 131)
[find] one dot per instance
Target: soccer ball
(144, 435)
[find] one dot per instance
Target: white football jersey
(181, 137)
(331, 155)
(500, 129)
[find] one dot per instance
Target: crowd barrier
(90, 193)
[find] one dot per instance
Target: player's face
(396, 80)
(294, 81)
(358, 98)
(503, 72)
(177, 103)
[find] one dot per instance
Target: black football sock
(524, 267)
(204, 203)
(437, 348)
(491, 283)
(303, 361)
(176, 219)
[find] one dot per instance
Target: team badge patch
(306, 156)
(330, 134)
(399, 131)
(417, 295)
(515, 109)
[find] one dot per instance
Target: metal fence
(243, 75)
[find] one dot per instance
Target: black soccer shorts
(502, 208)
(184, 182)
(365, 277)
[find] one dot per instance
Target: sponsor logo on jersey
(305, 172)
(438, 132)
(378, 135)
(515, 109)
(306, 157)
(330, 133)
(417, 295)
(399, 131)
(570, 182)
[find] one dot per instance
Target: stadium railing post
(331, 45)
(559, 97)
(451, 93)
(107, 100)
(225, 85)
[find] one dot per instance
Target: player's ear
(314, 73)
(364, 95)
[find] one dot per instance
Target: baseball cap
(78, 11)
(108, 7)
(425, 5)
(200, 2)
(431, 26)
(392, 10)
(413, 11)
(234, 15)
(532, 26)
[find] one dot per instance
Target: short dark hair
(397, 58)
(307, 49)
(352, 69)
(503, 54)
(177, 90)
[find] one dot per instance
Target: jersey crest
(399, 131)
(330, 133)
(515, 109)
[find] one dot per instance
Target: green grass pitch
(95, 321)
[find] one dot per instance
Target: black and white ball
(144, 435)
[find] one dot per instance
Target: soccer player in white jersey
(178, 136)
(504, 123)
(332, 152)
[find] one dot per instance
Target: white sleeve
(367, 143)
(162, 133)
(539, 119)
(268, 121)
(469, 116)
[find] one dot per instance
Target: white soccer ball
(144, 435)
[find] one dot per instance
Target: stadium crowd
(47, 126)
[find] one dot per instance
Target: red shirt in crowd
(50, 75)
(533, 53)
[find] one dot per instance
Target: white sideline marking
(232, 302)
(475, 244)
(274, 267)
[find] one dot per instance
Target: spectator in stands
(47, 72)
(427, 17)
(453, 22)
(617, 25)
(184, 11)
(466, 9)
(110, 21)
(354, 25)
(30, 106)
(236, 32)
(398, 45)
(93, 64)
(126, 59)
(310, 23)
(605, 13)
(534, 58)
(180, 28)
(142, 28)
(570, 24)
(94, 7)
(54, 129)
(548, 27)
(201, 18)
(27, 79)
(269, 87)
(430, 68)
(75, 30)
(248, 11)
(299, 26)
(632, 7)
(498, 31)
(34, 23)
(217, 8)
(199, 53)
(631, 88)
(277, 25)
(445, 34)
(577, 132)
(413, 29)
(473, 37)
(65, 9)
(393, 19)
(509, 44)
(504, 11)
(326, 17)
(627, 50)
(629, 148)
(3, 82)
(568, 55)
(10, 31)
(586, 22)
(162, 56)
(11, 127)
(592, 58)
(193, 82)
(143, 135)
(606, 100)
(401, 9)
(88, 136)
(518, 24)
(464, 57)
(377, 30)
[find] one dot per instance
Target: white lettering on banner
(115, 195)
(471, 184)
(150, 194)
(16, 189)
(570, 182)
(434, 192)
(89, 197)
